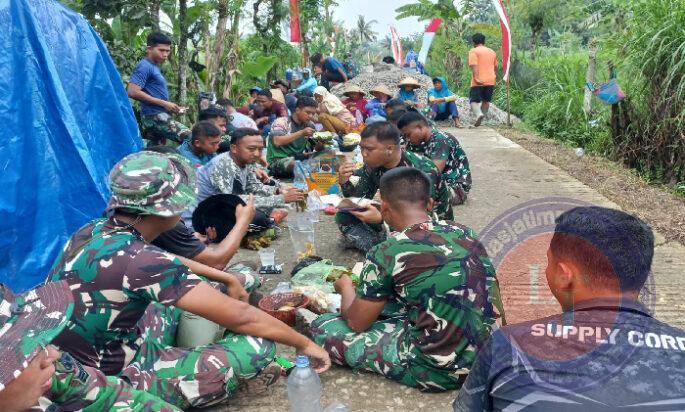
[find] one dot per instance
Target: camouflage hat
(28, 323)
(152, 184)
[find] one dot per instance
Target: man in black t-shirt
(605, 351)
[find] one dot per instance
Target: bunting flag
(294, 22)
(428, 37)
(397, 52)
(506, 37)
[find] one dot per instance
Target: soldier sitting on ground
(443, 149)
(115, 274)
(380, 148)
(34, 373)
(202, 145)
(432, 281)
(605, 352)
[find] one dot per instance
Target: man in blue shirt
(203, 144)
(149, 87)
(330, 68)
(605, 351)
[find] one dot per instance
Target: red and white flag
(506, 37)
(397, 52)
(428, 37)
(294, 22)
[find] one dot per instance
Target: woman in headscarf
(407, 91)
(333, 114)
(443, 102)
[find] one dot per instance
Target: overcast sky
(381, 10)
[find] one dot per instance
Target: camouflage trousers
(199, 376)
(77, 387)
(359, 235)
(383, 349)
(160, 128)
(282, 168)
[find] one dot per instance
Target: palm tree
(364, 30)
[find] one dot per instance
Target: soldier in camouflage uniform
(443, 149)
(440, 276)
(382, 152)
(28, 323)
(115, 274)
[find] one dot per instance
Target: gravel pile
(391, 75)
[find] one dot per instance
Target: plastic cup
(268, 257)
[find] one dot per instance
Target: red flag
(294, 22)
(397, 52)
(506, 37)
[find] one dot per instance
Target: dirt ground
(663, 210)
(506, 175)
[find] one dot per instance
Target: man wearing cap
(34, 375)
(114, 274)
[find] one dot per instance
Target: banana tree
(454, 26)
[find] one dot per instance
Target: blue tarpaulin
(66, 120)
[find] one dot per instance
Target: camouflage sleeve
(76, 387)
(474, 395)
(155, 275)
(223, 176)
(375, 282)
(439, 150)
(463, 169)
(265, 195)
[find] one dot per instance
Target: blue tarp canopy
(66, 120)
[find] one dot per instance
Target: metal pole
(508, 103)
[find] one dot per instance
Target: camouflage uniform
(367, 182)
(457, 173)
(77, 387)
(114, 276)
(28, 323)
(441, 275)
(161, 127)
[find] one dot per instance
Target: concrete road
(505, 177)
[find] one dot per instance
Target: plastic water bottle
(304, 388)
(300, 181)
(358, 158)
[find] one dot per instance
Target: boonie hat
(152, 183)
(28, 323)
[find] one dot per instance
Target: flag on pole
(294, 22)
(506, 37)
(428, 37)
(397, 52)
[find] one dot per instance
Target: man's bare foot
(457, 122)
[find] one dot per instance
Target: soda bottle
(304, 387)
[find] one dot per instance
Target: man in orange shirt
(482, 61)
